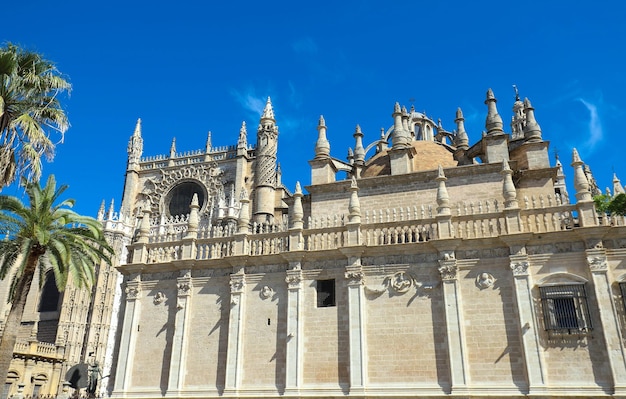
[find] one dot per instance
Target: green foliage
(609, 205)
(51, 235)
(29, 106)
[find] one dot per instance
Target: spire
(242, 142)
(493, 123)
(560, 186)
(101, 212)
(532, 131)
(461, 141)
(359, 150)
(135, 145)
(443, 199)
(173, 148)
(111, 210)
(268, 111)
(399, 137)
(581, 184)
(322, 146)
(137, 132)
(209, 145)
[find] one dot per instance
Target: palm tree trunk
(14, 319)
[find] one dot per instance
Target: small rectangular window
(325, 293)
(565, 309)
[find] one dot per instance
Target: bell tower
(265, 169)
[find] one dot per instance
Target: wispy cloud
(595, 125)
(250, 101)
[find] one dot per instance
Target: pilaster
(128, 337)
(179, 341)
(356, 325)
(295, 338)
(616, 357)
(235, 331)
(455, 330)
(529, 330)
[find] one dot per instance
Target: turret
(400, 138)
(493, 123)
(495, 142)
(322, 168)
(532, 131)
(402, 152)
(265, 169)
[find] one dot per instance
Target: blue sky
(186, 68)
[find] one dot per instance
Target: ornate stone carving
(237, 283)
(159, 298)
(597, 263)
(448, 270)
(266, 292)
(354, 277)
(401, 282)
(209, 174)
(184, 288)
(132, 292)
(294, 280)
(519, 268)
(485, 280)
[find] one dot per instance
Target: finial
(208, 141)
(101, 211)
(461, 140)
(321, 122)
(268, 111)
(493, 123)
(359, 151)
(243, 134)
(396, 108)
(322, 145)
(532, 131)
(137, 132)
(298, 188)
(173, 148)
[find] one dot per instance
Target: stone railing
(38, 349)
(374, 228)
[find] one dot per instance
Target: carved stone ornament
(597, 263)
(293, 280)
(448, 270)
(354, 277)
(184, 288)
(266, 292)
(159, 298)
(236, 284)
(519, 268)
(401, 282)
(132, 292)
(485, 280)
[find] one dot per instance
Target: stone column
(235, 332)
(293, 361)
(455, 331)
(598, 265)
(529, 330)
(128, 336)
(179, 341)
(356, 321)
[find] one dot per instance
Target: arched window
(49, 300)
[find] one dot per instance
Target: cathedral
(423, 265)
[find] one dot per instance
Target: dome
(429, 155)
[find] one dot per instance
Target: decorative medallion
(266, 292)
(485, 280)
(159, 298)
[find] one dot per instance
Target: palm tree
(43, 236)
(29, 110)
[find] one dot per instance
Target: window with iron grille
(565, 309)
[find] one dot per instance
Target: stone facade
(436, 269)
